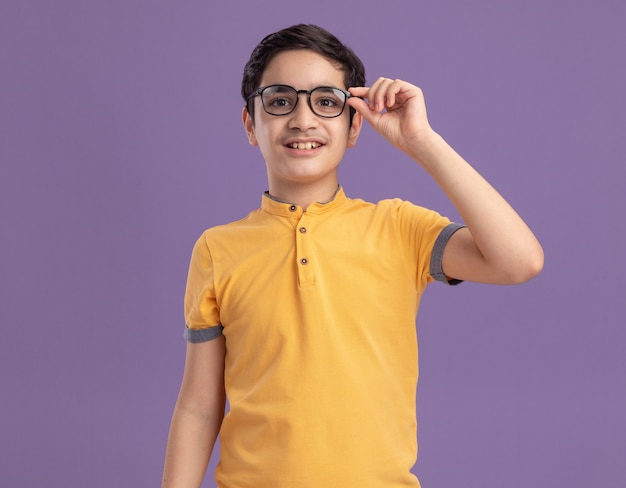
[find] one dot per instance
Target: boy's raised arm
(197, 417)
(497, 246)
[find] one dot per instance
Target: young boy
(302, 314)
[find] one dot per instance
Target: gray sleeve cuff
(202, 335)
(436, 258)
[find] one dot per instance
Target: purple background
(120, 141)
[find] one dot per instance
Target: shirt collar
(286, 209)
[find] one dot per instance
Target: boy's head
(302, 36)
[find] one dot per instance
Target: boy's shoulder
(391, 208)
(233, 226)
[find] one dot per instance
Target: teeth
(304, 145)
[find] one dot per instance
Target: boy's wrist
(426, 148)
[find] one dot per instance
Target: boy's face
(301, 147)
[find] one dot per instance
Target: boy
(303, 313)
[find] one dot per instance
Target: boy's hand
(396, 109)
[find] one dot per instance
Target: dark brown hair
(301, 36)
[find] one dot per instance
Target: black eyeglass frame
(259, 92)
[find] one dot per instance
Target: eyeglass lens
(324, 101)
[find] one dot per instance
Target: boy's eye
(327, 102)
(278, 101)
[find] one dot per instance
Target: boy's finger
(359, 91)
(364, 109)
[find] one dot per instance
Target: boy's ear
(248, 125)
(355, 129)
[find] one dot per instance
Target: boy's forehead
(302, 69)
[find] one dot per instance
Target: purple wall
(120, 141)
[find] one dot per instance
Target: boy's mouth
(304, 145)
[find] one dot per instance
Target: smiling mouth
(304, 145)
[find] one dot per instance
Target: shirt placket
(305, 260)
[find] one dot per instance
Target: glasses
(325, 101)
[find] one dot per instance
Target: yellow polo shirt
(318, 310)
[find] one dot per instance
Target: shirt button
(304, 261)
(293, 208)
(303, 230)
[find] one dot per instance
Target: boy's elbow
(528, 268)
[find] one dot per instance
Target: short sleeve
(424, 234)
(436, 258)
(202, 318)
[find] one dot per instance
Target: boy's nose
(303, 117)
